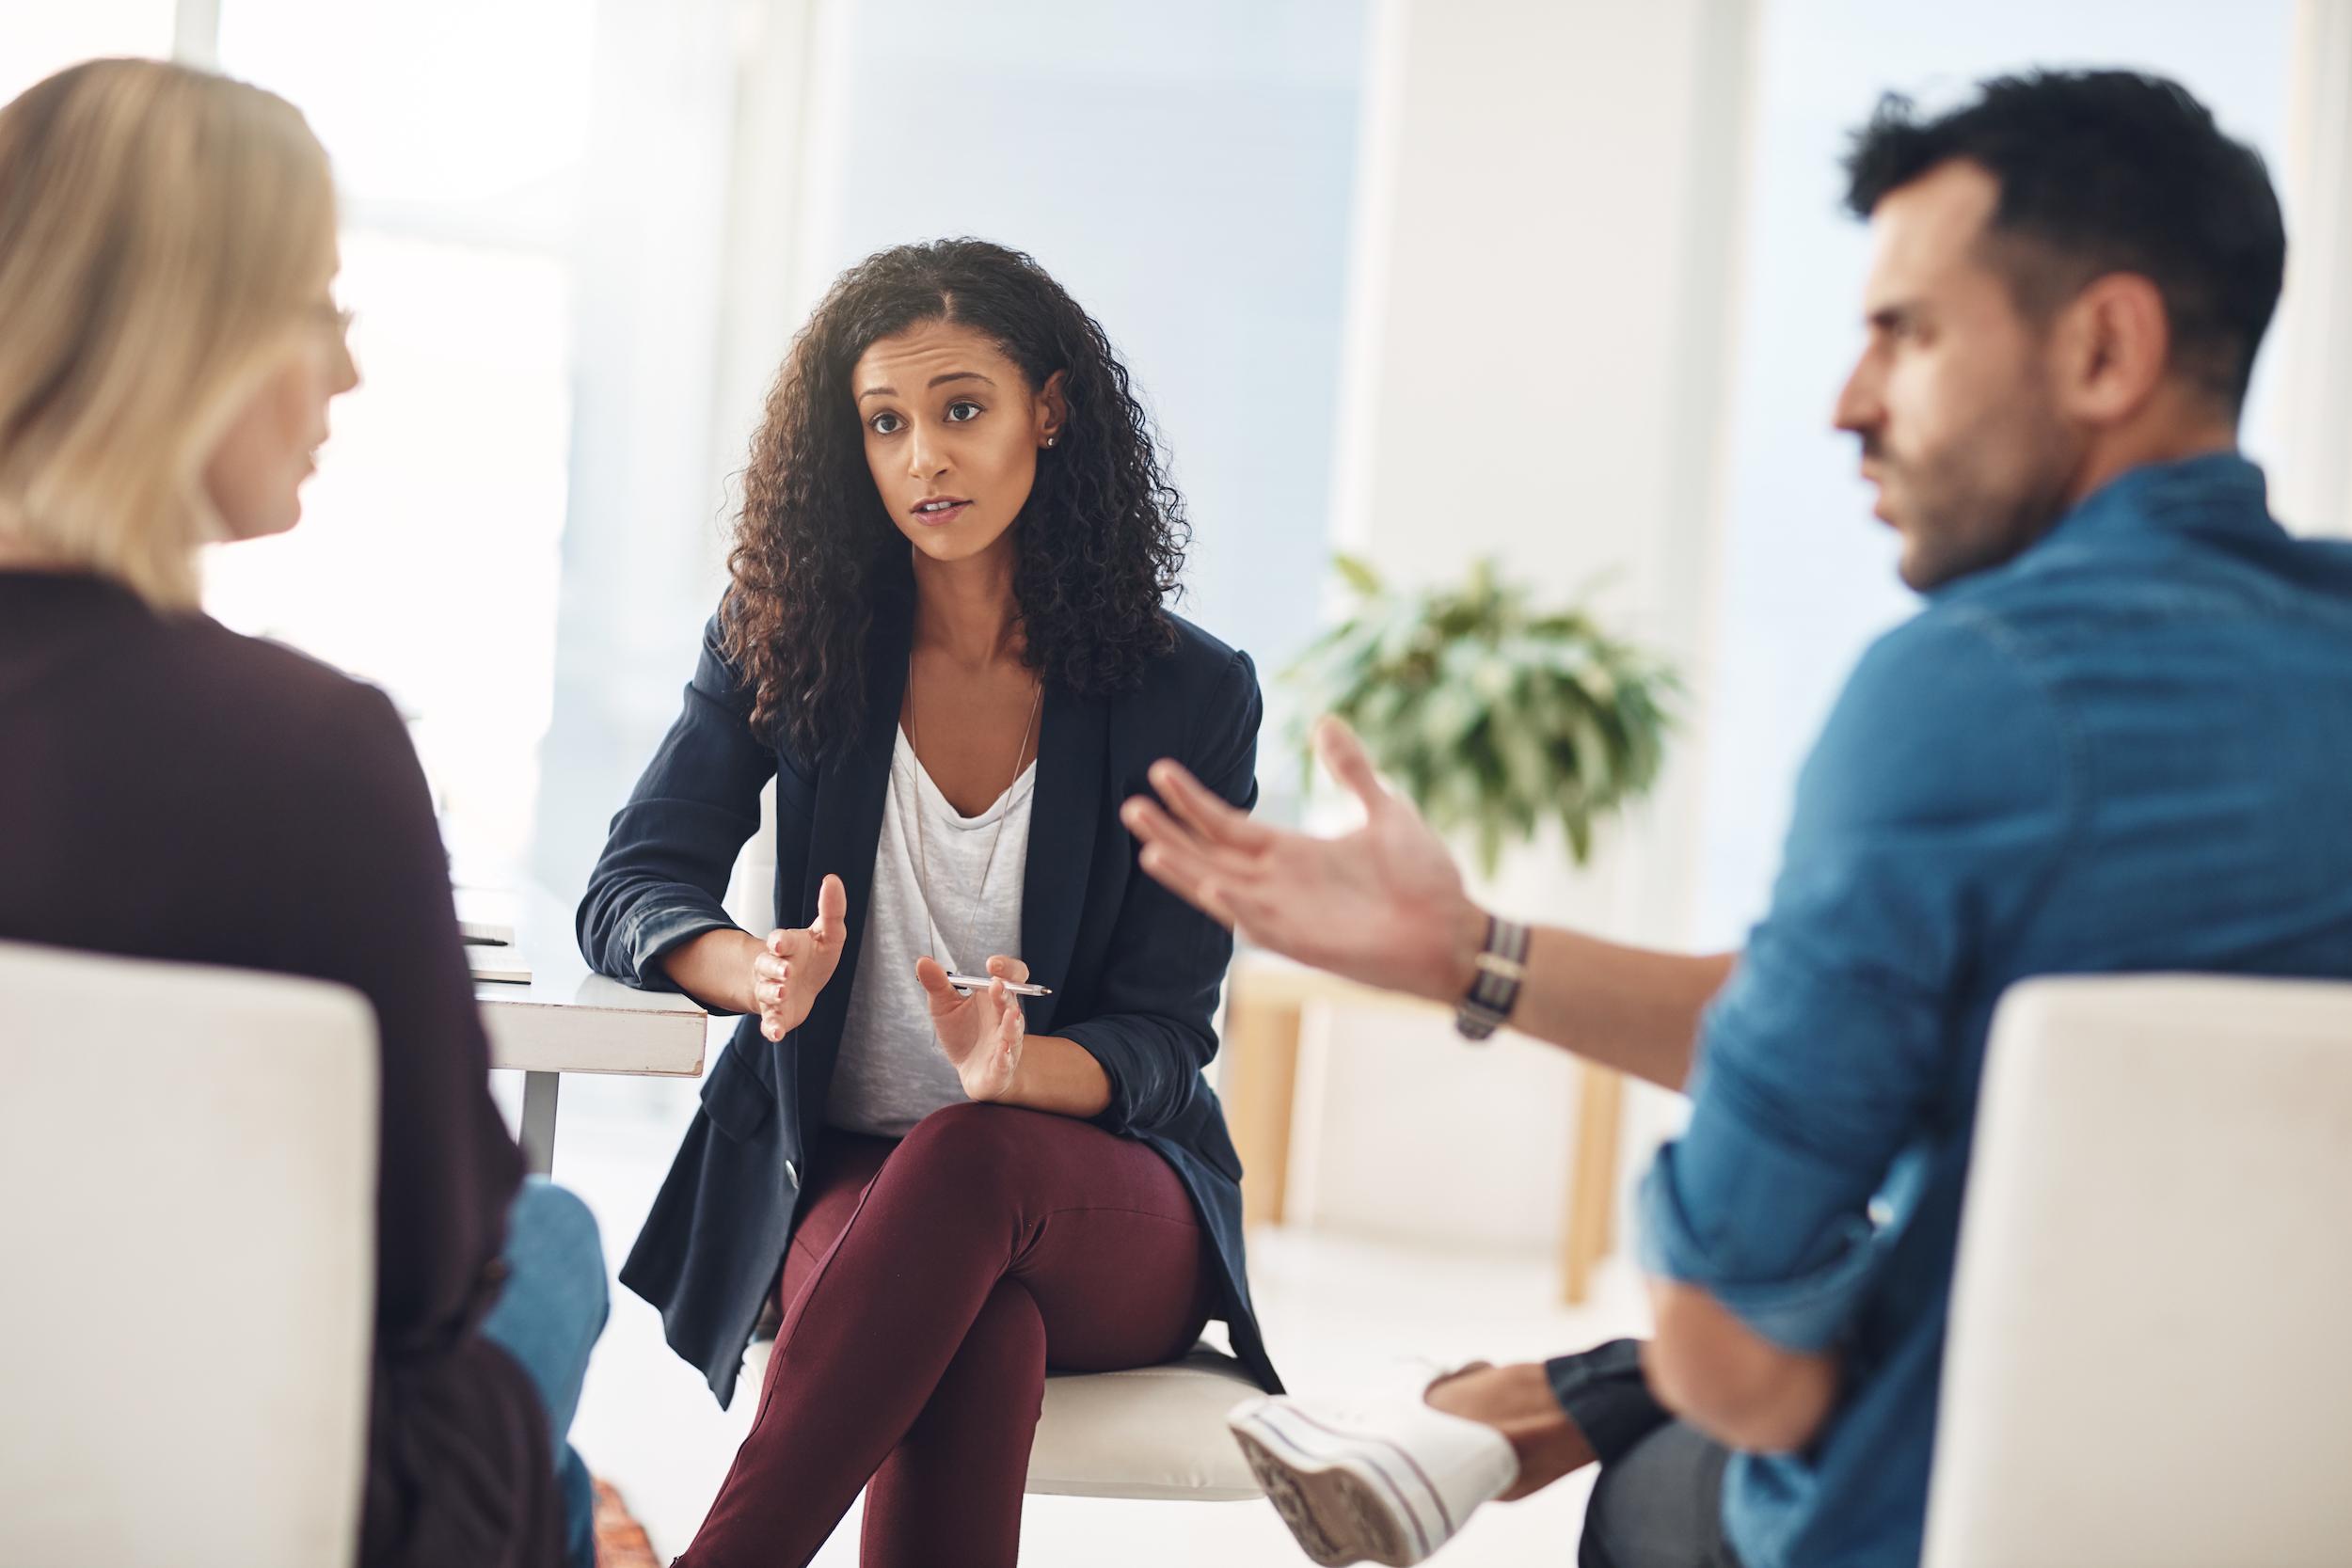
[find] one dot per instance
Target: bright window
(427, 559)
(38, 40)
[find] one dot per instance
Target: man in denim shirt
(2116, 738)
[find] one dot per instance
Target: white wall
(2312, 480)
(1535, 370)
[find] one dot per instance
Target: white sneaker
(1388, 1482)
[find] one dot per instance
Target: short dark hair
(2106, 171)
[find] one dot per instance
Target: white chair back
(2148, 1361)
(187, 1215)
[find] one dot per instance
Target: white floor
(1340, 1314)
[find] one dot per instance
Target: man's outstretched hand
(1382, 905)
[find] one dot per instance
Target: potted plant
(1491, 714)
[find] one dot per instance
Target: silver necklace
(922, 859)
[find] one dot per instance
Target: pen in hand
(981, 982)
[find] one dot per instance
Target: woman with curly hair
(945, 639)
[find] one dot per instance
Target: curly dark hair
(1099, 544)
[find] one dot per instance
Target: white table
(568, 1020)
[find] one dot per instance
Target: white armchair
(2148, 1360)
(187, 1215)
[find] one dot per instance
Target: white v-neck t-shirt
(891, 1072)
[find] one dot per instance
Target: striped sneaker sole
(1346, 1498)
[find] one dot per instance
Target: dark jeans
(547, 1319)
(1659, 1501)
(928, 1284)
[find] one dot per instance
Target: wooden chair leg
(1585, 1230)
(1260, 1091)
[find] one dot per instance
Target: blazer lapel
(1063, 816)
(845, 828)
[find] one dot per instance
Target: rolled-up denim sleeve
(1940, 798)
(667, 861)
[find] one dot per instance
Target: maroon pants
(928, 1284)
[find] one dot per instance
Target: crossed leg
(1659, 1501)
(931, 1282)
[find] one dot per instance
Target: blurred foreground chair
(187, 1212)
(1155, 1431)
(2148, 1362)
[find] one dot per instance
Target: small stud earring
(1051, 439)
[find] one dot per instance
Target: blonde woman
(172, 790)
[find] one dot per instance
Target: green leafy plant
(1491, 714)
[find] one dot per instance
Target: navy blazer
(1134, 969)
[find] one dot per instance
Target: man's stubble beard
(1966, 522)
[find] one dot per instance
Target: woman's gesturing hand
(793, 966)
(1383, 905)
(980, 1033)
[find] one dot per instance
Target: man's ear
(1054, 399)
(2112, 345)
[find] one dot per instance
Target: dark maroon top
(169, 789)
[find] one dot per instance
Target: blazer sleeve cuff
(652, 930)
(1115, 1054)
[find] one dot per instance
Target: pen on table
(981, 982)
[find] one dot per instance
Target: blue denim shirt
(2127, 750)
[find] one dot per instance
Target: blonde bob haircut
(167, 236)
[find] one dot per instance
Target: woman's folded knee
(968, 1149)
